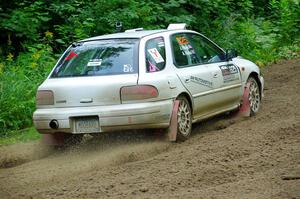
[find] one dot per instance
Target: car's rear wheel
(184, 119)
(254, 96)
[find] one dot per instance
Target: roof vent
(177, 26)
(134, 30)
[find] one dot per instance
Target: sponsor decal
(230, 73)
(182, 40)
(185, 46)
(201, 81)
(156, 55)
(152, 67)
(187, 50)
(71, 55)
(95, 62)
(127, 68)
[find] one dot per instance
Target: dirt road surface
(256, 157)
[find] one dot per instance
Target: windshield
(103, 57)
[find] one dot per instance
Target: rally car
(133, 79)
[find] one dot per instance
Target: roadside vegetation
(35, 33)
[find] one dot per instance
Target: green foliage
(287, 15)
(262, 39)
(253, 38)
(23, 135)
(34, 32)
(19, 79)
(26, 23)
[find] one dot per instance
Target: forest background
(33, 34)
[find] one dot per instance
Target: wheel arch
(256, 77)
(189, 99)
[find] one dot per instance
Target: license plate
(87, 125)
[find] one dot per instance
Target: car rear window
(103, 57)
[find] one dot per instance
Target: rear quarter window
(155, 55)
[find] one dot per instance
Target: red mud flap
(245, 108)
(56, 139)
(172, 131)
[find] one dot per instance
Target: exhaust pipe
(54, 124)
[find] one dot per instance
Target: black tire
(184, 119)
(254, 96)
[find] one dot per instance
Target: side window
(155, 54)
(206, 50)
(183, 51)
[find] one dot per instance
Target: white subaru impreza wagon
(131, 80)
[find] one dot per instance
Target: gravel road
(226, 157)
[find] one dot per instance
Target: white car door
(226, 77)
(194, 75)
(200, 66)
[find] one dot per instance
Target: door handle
(187, 80)
(215, 75)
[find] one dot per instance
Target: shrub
(19, 78)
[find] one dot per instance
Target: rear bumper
(114, 117)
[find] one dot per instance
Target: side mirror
(230, 54)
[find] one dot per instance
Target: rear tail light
(44, 97)
(129, 93)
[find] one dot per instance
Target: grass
(23, 135)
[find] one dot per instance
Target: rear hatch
(92, 73)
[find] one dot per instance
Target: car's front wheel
(254, 96)
(184, 119)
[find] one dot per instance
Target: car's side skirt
(203, 117)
